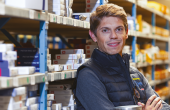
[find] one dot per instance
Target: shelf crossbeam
(3, 21)
(64, 41)
(11, 38)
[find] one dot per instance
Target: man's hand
(153, 103)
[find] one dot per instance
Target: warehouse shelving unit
(26, 21)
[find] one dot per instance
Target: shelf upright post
(37, 41)
(134, 37)
(153, 43)
(101, 2)
(167, 43)
(43, 63)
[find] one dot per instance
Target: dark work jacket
(116, 74)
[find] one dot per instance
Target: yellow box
(157, 6)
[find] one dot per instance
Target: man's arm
(91, 92)
(149, 92)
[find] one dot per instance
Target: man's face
(111, 35)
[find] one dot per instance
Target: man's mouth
(115, 44)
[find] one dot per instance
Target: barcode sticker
(52, 77)
(15, 82)
(32, 80)
(31, 14)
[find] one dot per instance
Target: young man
(106, 80)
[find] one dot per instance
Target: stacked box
(78, 16)
(62, 95)
(89, 50)
(91, 5)
(28, 57)
(60, 7)
(7, 60)
(13, 99)
(50, 98)
(70, 58)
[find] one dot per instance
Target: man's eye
(105, 30)
(119, 29)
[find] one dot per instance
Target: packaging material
(139, 20)
(60, 87)
(65, 108)
(32, 93)
(50, 97)
(48, 56)
(57, 106)
(31, 4)
(130, 23)
(157, 6)
(58, 67)
(7, 99)
(70, 56)
(77, 16)
(24, 108)
(142, 2)
(51, 68)
(26, 70)
(146, 27)
(49, 108)
(75, 66)
(9, 55)
(48, 62)
(67, 67)
(7, 64)
(89, 51)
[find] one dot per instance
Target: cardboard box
(49, 103)
(26, 70)
(89, 51)
(7, 64)
(65, 108)
(58, 67)
(49, 108)
(50, 97)
(32, 100)
(32, 93)
(9, 72)
(72, 51)
(75, 66)
(48, 62)
(61, 92)
(59, 87)
(13, 91)
(91, 47)
(6, 99)
(24, 108)
(67, 67)
(31, 4)
(34, 107)
(57, 106)
(50, 68)
(32, 87)
(65, 61)
(69, 56)
(6, 47)
(88, 55)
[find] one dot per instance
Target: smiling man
(106, 80)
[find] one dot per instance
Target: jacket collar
(114, 61)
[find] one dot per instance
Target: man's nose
(113, 35)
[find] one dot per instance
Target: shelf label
(15, 82)
(4, 82)
(43, 79)
(7, 83)
(58, 19)
(64, 20)
(31, 14)
(39, 15)
(62, 75)
(32, 80)
(52, 77)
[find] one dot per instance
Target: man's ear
(92, 36)
(127, 34)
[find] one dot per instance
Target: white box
(19, 91)
(13, 71)
(7, 99)
(50, 97)
(58, 67)
(6, 47)
(32, 100)
(65, 61)
(61, 92)
(49, 103)
(67, 67)
(49, 108)
(57, 1)
(34, 107)
(48, 56)
(64, 102)
(72, 51)
(75, 66)
(69, 56)
(56, 106)
(50, 68)
(31, 4)
(26, 70)
(24, 108)
(9, 55)
(91, 47)
(59, 87)
(48, 62)
(63, 97)
(84, 14)
(66, 108)
(32, 87)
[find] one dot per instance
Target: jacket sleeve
(91, 92)
(149, 92)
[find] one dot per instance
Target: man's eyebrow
(104, 28)
(120, 27)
